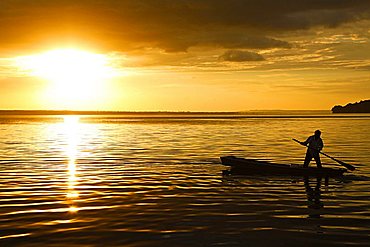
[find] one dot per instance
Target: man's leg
(307, 159)
(316, 156)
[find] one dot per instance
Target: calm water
(157, 181)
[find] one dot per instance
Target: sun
(76, 77)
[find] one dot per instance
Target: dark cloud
(233, 40)
(241, 56)
(227, 39)
(167, 24)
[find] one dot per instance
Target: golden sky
(169, 55)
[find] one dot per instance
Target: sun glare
(71, 129)
(77, 78)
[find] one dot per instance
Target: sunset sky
(168, 55)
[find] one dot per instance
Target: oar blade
(348, 166)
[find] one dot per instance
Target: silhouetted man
(315, 145)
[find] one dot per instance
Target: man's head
(317, 133)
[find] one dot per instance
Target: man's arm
(307, 141)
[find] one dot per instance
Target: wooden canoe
(253, 166)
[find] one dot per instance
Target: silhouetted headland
(358, 107)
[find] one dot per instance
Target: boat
(253, 166)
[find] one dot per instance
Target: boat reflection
(71, 124)
(264, 184)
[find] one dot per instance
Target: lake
(156, 180)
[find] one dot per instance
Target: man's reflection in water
(314, 197)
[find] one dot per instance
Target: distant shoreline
(251, 112)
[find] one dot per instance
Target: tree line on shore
(359, 107)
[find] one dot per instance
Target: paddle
(348, 166)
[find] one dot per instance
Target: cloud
(174, 26)
(241, 56)
(228, 40)
(240, 40)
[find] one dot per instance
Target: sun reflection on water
(71, 125)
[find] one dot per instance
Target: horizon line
(109, 112)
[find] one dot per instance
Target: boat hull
(252, 166)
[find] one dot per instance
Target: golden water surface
(157, 180)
